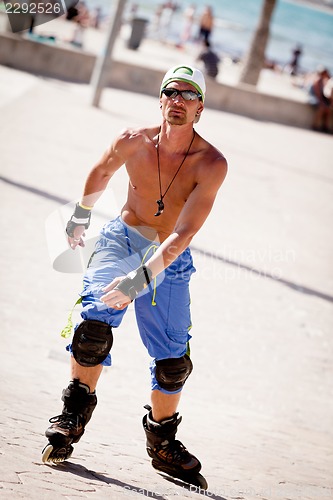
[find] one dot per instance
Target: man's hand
(115, 298)
(77, 224)
(77, 238)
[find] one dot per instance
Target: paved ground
(258, 408)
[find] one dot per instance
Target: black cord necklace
(160, 203)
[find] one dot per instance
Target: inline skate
(168, 454)
(68, 427)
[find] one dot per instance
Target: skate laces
(174, 451)
(66, 421)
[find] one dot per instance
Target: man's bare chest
(151, 180)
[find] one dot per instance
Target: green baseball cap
(186, 74)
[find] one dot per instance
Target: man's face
(178, 111)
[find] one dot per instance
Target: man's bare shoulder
(130, 141)
(212, 162)
(136, 137)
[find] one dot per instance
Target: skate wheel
(46, 453)
(196, 479)
(56, 455)
(201, 482)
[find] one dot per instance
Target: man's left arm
(192, 217)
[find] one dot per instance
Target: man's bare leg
(164, 405)
(86, 375)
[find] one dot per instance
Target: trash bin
(138, 29)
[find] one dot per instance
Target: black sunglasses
(187, 95)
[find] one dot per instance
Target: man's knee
(172, 373)
(92, 342)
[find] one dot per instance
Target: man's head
(185, 87)
(186, 74)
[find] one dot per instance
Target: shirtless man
(144, 255)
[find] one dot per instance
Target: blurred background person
(322, 102)
(293, 66)
(96, 18)
(210, 60)
(81, 17)
(206, 24)
(189, 18)
(166, 18)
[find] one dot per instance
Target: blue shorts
(162, 309)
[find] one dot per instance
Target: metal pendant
(160, 205)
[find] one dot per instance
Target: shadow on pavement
(81, 471)
(264, 274)
(192, 489)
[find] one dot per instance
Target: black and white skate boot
(170, 455)
(68, 427)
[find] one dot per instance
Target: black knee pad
(172, 373)
(92, 342)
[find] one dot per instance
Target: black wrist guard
(135, 282)
(80, 217)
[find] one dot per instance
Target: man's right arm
(95, 185)
(102, 172)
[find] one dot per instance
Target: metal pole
(104, 61)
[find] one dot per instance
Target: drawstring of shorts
(153, 248)
(67, 331)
